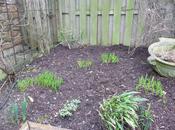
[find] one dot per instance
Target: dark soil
(91, 86)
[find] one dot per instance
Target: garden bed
(91, 86)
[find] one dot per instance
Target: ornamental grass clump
(24, 84)
(107, 58)
(150, 85)
(49, 80)
(84, 63)
(120, 111)
(46, 79)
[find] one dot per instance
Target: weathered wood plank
(129, 22)
(94, 4)
(105, 18)
(117, 20)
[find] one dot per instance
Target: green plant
(14, 111)
(45, 79)
(24, 105)
(69, 108)
(145, 117)
(49, 80)
(84, 63)
(119, 111)
(109, 58)
(24, 84)
(150, 85)
(16, 115)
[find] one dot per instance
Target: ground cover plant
(150, 85)
(84, 63)
(69, 107)
(120, 111)
(46, 79)
(108, 58)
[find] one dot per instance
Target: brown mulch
(91, 86)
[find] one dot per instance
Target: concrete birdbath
(162, 56)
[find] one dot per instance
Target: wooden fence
(99, 22)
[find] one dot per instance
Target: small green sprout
(108, 58)
(84, 63)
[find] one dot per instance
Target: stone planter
(158, 52)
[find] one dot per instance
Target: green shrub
(108, 58)
(145, 118)
(150, 85)
(46, 79)
(119, 111)
(49, 80)
(69, 108)
(84, 63)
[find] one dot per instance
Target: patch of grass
(120, 111)
(145, 118)
(150, 85)
(46, 79)
(69, 108)
(24, 84)
(84, 63)
(107, 58)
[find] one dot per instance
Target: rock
(3, 75)
(35, 126)
(30, 99)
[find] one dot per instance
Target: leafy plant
(119, 111)
(46, 79)
(14, 111)
(16, 115)
(109, 58)
(24, 84)
(145, 117)
(69, 108)
(24, 110)
(150, 85)
(49, 80)
(84, 63)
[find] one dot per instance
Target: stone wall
(9, 21)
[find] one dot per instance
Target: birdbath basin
(162, 56)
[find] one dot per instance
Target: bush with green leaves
(108, 58)
(120, 111)
(18, 114)
(69, 108)
(46, 79)
(150, 85)
(84, 63)
(145, 117)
